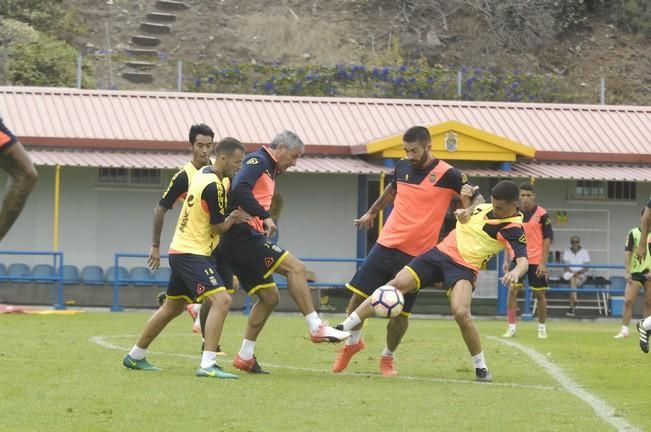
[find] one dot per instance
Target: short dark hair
(200, 129)
(417, 134)
(527, 187)
(506, 190)
(228, 146)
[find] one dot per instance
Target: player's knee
(461, 313)
(270, 297)
(629, 302)
(296, 268)
(221, 300)
(173, 308)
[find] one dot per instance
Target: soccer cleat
(160, 298)
(483, 375)
(542, 333)
(191, 311)
(386, 366)
(571, 311)
(510, 332)
(622, 334)
(644, 337)
(251, 365)
(325, 333)
(131, 363)
(214, 371)
(345, 354)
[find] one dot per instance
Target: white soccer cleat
(542, 333)
(325, 333)
(622, 334)
(510, 332)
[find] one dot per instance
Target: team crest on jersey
(253, 161)
(451, 141)
(268, 261)
(432, 178)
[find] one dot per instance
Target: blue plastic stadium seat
(18, 270)
(161, 275)
(92, 275)
(3, 270)
(41, 273)
(71, 275)
(140, 276)
(123, 275)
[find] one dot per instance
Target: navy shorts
(536, 282)
(225, 270)
(640, 277)
(253, 258)
(193, 277)
(435, 266)
(7, 139)
(379, 267)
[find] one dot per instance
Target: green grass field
(64, 373)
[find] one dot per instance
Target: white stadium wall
(316, 221)
(96, 221)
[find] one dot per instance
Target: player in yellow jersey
(201, 142)
(456, 262)
(195, 275)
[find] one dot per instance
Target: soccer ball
(387, 301)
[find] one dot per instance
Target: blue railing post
(57, 288)
(248, 304)
(116, 286)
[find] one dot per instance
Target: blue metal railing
(117, 281)
(57, 279)
(248, 302)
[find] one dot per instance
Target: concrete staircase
(142, 51)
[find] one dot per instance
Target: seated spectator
(575, 273)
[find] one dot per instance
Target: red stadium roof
(169, 160)
(130, 120)
(568, 171)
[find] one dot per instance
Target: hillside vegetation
(512, 50)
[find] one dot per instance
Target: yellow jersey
(204, 206)
(475, 242)
(178, 187)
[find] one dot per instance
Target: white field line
(103, 342)
(600, 407)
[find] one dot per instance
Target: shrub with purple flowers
(411, 82)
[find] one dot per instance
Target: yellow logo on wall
(451, 141)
